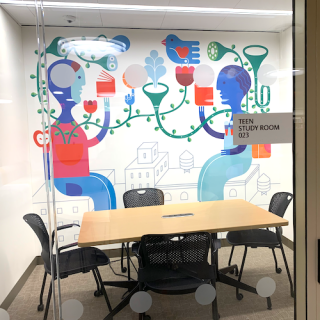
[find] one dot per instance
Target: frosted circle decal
(62, 75)
(266, 287)
(267, 74)
(4, 315)
(136, 76)
(72, 310)
(205, 294)
(141, 302)
(203, 75)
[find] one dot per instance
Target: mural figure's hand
(201, 111)
(106, 104)
(130, 98)
(225, 152)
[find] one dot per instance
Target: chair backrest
(175, 249)
(37, 225)
(279, 203)
(143, 198)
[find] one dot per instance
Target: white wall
(286, 99)
(17, 242)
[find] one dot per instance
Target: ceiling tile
(132, 19)
(204, 3)
(137, 2)
(265, 5)
(191, 21)
(22, 15)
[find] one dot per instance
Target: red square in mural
(106, 85)
(203, 96)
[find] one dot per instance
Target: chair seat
(135, 247)
(80, 260)
(253, 238)
(176, 286)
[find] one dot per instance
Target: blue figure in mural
(233, 83)
(180, 51)
(69, 141)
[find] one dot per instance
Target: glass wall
(202, 102)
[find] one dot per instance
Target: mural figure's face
(229, 88)
(76, 87)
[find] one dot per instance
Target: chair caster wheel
(240, 296)
(97, 293)
(40, 307)
(278, 270)
(146, 317)
(124, 270)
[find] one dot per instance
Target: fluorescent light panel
(142, 8)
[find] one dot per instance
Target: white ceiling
(163, 20)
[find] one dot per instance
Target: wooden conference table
(128, 225)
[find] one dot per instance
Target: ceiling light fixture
(123, 7)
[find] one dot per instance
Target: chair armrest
(66, 226)
(68, 246)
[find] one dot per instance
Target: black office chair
(263, 238)
(71, 262)
(134, 198)
(175, 264)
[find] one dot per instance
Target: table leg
(214, 262)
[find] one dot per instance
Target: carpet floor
(259, 264)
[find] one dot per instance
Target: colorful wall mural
(167, 97)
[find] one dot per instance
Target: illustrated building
(148, 168)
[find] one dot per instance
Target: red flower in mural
(90, 106)
(184, 75)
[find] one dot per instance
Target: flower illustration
(90, 106)
(185, 75)
(216, 51)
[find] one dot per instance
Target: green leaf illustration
(187, 101)
(138, 111)
(243, 105)
(44, 92)
(249, 69)
(43, 82)
(111, 131)
(52, 111)
(268, 109)
(118, 121)
(253, 107)
(148, 119)
(39, 111)
(251, 90)
(73, 123)
(58, 122)
(227, 115)
(86, 127)
(174, 131)
(125, 109)
(85, 116)
(82, 53)
(250, 98)
(156, 128)
(214, 109)
(181, 90)
(36, 51)
(83, 38)
(98, 120)
(189, 139)
(128, 124)
(255, 112)
(236, 59)
(192, 127)
(87, 65)
(33, 94)
(163, 118)
(32, 76)
(42, 65)
(57, 133)
(172, 105)
(233, 46)
(211, 121)
(76, 134)
(66, 132)
(93, 56)
(246, 63)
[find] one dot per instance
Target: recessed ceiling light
(116, 7)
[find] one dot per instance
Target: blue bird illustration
(182, 52)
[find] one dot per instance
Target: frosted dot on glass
(4, 315)
(205, 294)
(141, 302)
(266, 287)
(72, 310)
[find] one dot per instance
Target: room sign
(264, 128)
